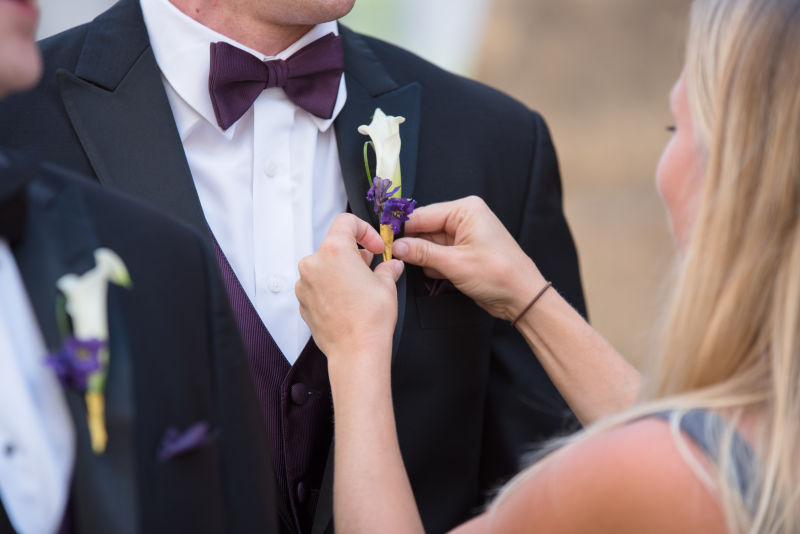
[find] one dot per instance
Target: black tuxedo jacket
(176, 360)
(469, 396)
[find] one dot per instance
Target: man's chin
(20, 73)
(313, 12)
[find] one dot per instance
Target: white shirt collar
(181, 46)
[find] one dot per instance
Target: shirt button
(302, 493)
(271, 169)
(300, 393)
(275, 284)
(9, 449)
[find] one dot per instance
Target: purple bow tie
(310, 77)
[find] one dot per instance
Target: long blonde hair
(731, 338)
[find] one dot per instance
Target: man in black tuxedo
(176, 362)
(185, 448)
(469, 397)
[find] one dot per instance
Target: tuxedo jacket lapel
(104, 487)
(116, 102)
(60, 239)
(369, 86)
(55, 242)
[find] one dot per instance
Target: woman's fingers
(426, 254)
(446, 217)
(367, 256)
(351, 227)
(390, 270)
(433, 273)
(431, 218)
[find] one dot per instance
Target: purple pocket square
(174, 443)
(439, 286)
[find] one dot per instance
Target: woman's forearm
(594, 379)
(368, 466)
(465, 242)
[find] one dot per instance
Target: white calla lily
(108, 260)
(87, 295)
(384, 131)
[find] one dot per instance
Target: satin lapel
(116, 102)
(369, 86)
(60, 239)
(54, 243)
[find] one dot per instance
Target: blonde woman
(707, 441)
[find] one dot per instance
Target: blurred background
(600, 73)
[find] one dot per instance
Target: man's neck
(265, 37)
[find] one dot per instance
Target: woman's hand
(349, 308)
(466, 243)
(352, 312)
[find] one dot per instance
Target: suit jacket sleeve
(523, 408)
(246, 464)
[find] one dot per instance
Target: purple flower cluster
(379, 193)
(76, 361)
(396, 211)
(393, 211)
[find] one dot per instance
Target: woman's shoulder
(633, 478)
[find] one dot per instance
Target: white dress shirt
(37, 441)
(270, 186)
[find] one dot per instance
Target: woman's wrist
(526, 286)
(532, 303)
(360, 368)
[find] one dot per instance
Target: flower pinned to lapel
(76, 361)
(82, 362)
(384, 131)
(385, 190)
(86, 294)
(395, 213)
(379, 193)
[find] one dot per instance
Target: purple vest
(296, 402)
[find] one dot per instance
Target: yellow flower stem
(388, 239)
(96, 418)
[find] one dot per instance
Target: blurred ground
(600, 73)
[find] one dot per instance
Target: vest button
(302, 493)
(300, 393)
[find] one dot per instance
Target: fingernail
(398, 268)
(400, 249)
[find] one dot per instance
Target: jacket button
(300, 393)
(302, 493)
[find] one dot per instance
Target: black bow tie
(16, 171)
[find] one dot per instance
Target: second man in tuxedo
(178, 445)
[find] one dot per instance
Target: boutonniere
(82, 361)
(385, 190)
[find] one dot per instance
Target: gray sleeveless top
(706, 429)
